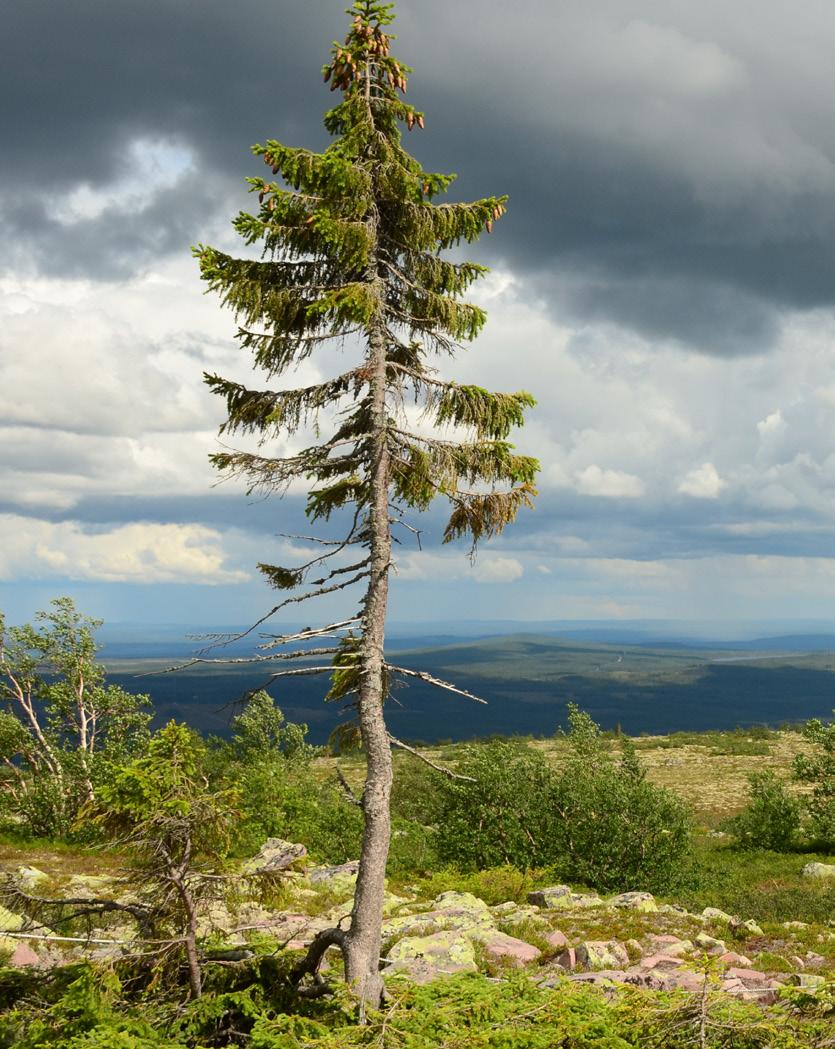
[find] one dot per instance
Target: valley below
(527, 682)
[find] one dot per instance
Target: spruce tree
(351, 246)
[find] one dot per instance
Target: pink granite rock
(661, 961)
(23, 957)
(567, 959)
(749, 977)
(731, 958)
(685, 980)
(501, 947)
(557, 939)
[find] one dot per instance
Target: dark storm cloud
(667, 172)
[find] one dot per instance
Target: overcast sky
(664, 282)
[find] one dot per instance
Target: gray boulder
(275, 855)
(819, 870)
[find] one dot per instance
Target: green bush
(597, 820)
(818, 769)
(269, 763)
(502, 813)
(615, 830)
(772, 817)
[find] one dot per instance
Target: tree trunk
(362, 943)
(195, 974)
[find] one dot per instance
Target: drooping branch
(68, 909)
(395, 742)
(430, 679)
(347, 789)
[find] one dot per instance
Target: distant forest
(527, 682)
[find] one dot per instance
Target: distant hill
(528, 680)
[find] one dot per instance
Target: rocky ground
(281, 901)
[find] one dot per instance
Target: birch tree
(61, 724)
(351, 244)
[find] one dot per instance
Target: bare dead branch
(346, 787)
(422, 675)
(308, 632)
(395, 742)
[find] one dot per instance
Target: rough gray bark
(362, 943)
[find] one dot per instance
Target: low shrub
(615, 830)
(772, 818)
(818, 769)
(502, 812)
(597, 820)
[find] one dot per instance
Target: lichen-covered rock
(90, 886)
(29, 878)
(503, 909)
(819, 870)
(602, 954)
(275, 855)
(9, 921)
(392, 903)
(550, 897)
(341, 877)
(216, 917)
(710, 944)
(571, 901)
(636, 901)
(425, 958)
(808, 981)
(670, 945)
(462, 901)
(517, 912)
(713, 914)
(582, 900)
(437, 921)
(750, 927)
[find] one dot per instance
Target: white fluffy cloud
(611, 484)
(135, 553)
(488, 567)
(702, 483)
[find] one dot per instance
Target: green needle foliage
(351, 241)
(351, 255)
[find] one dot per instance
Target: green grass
(767, 886)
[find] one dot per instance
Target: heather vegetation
(164, 838)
